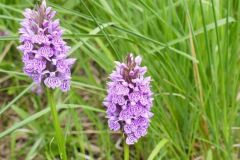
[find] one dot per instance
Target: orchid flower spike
(44, 51)
(129, 99)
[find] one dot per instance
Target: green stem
(58, 131)
(126, 150)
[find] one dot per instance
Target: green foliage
(191, 49)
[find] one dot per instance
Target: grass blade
(3, 109)
(156, 150)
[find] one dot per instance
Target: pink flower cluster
(129, 99)
(44, 51)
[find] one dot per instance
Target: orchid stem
(58, 131)
(126, 151)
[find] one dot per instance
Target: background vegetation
(191, 49)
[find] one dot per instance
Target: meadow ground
(191, 49)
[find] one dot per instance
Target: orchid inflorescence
(129, 99)
(44, 51)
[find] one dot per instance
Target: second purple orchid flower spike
(129, 99)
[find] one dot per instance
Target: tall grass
(191, 49)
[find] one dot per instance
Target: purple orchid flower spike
(129, 99)
(44, 51)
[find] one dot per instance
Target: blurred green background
(191, 49)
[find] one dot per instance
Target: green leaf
(3, 109)
(157, 149)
